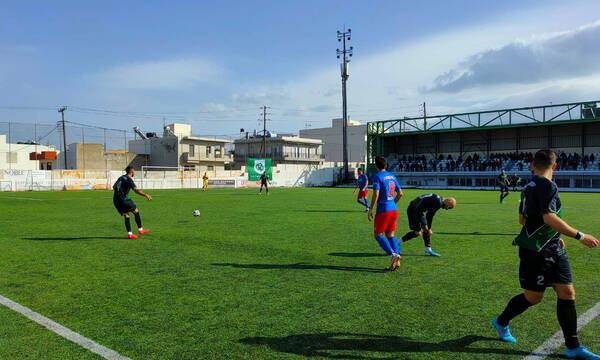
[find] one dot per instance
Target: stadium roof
(587, 111)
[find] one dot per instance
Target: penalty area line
(553, 343)
(63, 331)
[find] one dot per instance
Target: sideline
(63, 331)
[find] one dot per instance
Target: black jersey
(428, 203)
(122, 186)
(502, 179)
(263, 178)
(539, 197)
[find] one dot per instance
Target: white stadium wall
(55, 180)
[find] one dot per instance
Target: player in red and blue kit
(363, 191)
(386, 193)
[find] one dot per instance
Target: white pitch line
(63, 331)
(549, 346)
(21, 198)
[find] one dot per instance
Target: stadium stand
(469, 149)
(495, 162)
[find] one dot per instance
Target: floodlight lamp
(348, 37)
(339, 39)
(349, 30)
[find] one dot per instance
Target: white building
(178, 148)
(281, 149)
(26, 156)
(333, 140)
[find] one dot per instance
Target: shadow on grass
(361, 255)
(330, 211)
(332, 345)
(476, 233)
(300, 266)
(75, 238)
(353, 255)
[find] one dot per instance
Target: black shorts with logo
(124, 206)
(416, 219)
(539, 270)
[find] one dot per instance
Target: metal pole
(62, 111)
(264, 132)
(125, 138)
(37, 162)
(9, 149)
(82, 150)
(425, 116)
(342, 37)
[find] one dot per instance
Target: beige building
(280, 149)
(26, 156)
(178, 148)
(90, 156)
(333, 140)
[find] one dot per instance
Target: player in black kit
(543, 260)
(420, 217)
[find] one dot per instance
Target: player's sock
(384, 244)
(362, 202)
(516, 306)
(138, 220)
(367, 203)
(128, 225)
(394, 244)
(409, 235)
(567, 318)
(427, 240)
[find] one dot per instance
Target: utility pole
(62, 111)
(264, 142)
(345, 54)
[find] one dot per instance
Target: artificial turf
(293, 275)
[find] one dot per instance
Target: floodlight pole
(345, 54)
(64, 131)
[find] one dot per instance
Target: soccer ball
(196, 212)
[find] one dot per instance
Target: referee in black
(543, 260)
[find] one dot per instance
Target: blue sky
(213, 64)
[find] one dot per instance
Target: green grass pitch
(290, 276)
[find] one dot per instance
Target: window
(208, 151)
(210, 168)
(192, 150)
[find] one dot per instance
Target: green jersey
(539, 197)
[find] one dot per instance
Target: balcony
(285, 157)
(212, 157)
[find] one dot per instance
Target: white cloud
(567, 54)
(393, 83)
(173, 74)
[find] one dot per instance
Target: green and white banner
(256, 167)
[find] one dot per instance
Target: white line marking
(21, 198)
(550, 345)
(63, 331)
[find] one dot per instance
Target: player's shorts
(124, 206)
(385, 222)
(503, 187)
(205, 183)
(539, 270)
(362, 194)
(416, 219)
